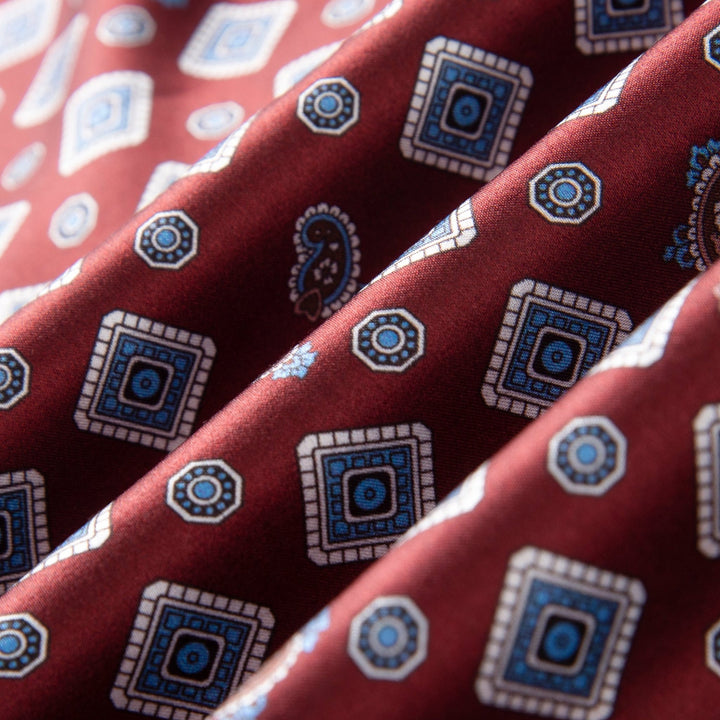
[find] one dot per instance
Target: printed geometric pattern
(295, 364)
(587, 456)
(222, 154)
(11, 218)
(338, 13)
(144, 382)
(323, 279)
(73, 221)
(48, 90)
(90, 536)
(330, 106)
(234, 40)
(389, 340)
(712, 648)
(707, 468)
(548, 340)
(297, 69)
(608, 26)
(188, 651)
(646, 345)
(605, 98)
(14, 378)
(388, 639)
(565, 193)
(163, 176)
(456, 230)
(126, 26)
(363, 489)
(214, 121)
(23, 645)
(560, 638)
(711, 48)
(205, 491)
(461, 500)
(168, 240)
(109, 112)
(23, 166)
(23, 525)
(251, 699)
(26, 27)
(392, 8)
(466, 109)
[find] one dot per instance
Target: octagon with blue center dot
(330, 106)
(567, 193)
(168, 240)
(205, 491)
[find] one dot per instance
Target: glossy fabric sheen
(358, 361)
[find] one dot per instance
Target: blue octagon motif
(168, 240)
(329, 106)
(23, 644)
(389, 340)
(565, 193)
(383, 642)
(205, 492)
(712, 48)
(14, 378)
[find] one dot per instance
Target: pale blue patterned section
(109, 112)
(338, 13)
(233, 40)
(222, 154)
(296, 363)
(23, 166)
(73, 221)
(49, 87)
(291, 74)
(126, 26)
(214, 121)
(11, 218)
(26, 27)
(163, 176)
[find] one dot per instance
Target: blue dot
(3, 376)
(329, 103)
(557, 356)
(586, 453)
(562, 641)
(204, 489)
(388, 636)
(146, 383)
(466, 111)
(369, 494)
(566, 191)
(193, 658)
(9, 644)
(388, 338)
(165, 238)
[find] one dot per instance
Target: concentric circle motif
(73, 221)
(389, 340)
(712, 648)
(168, 240)
(330, 106)
(588, 456)
(126, 26)
(206, 491)
(215, 121)
(23, 645)
(14, 378)
(565, 193)
(388, 639)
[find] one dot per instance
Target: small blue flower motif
(311, 632)
(295, 363)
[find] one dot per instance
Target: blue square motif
(146, 383)
(580, 342)
(560, 643)
(467, 110)
(16, 532)
(193, 656)
(369, 493)
(613, 17)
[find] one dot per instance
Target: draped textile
(359, 361)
